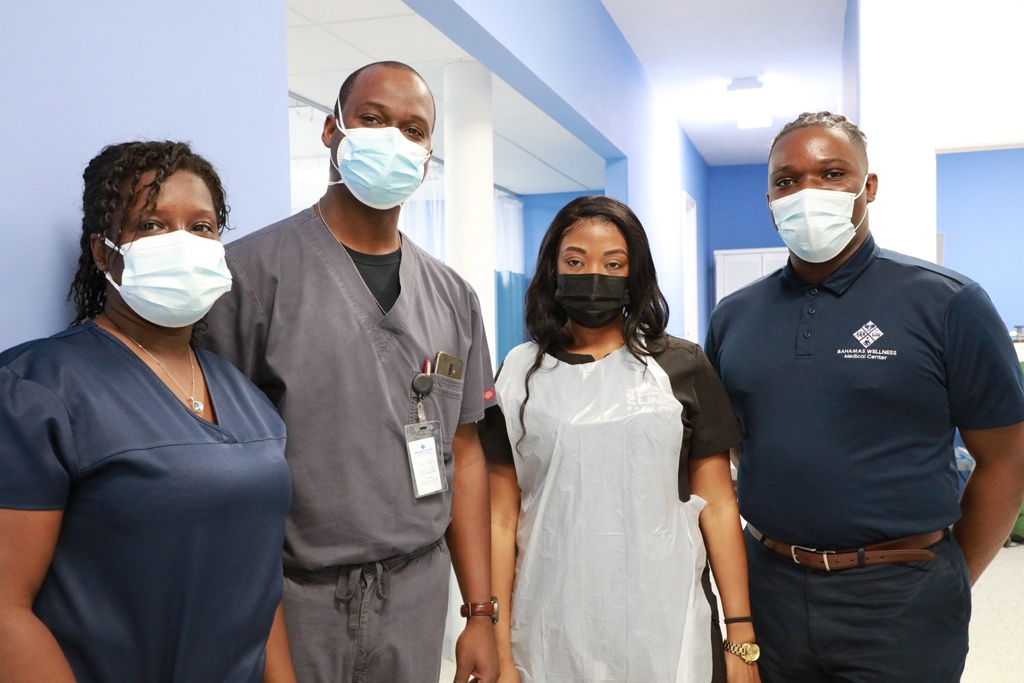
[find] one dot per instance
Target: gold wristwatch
(748, 652)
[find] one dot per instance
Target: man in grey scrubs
(334, 314)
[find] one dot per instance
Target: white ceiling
(690, 48)
(693, 48)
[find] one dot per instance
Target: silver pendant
(197, 406)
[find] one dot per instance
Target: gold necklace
(197, 406)
(320, 210)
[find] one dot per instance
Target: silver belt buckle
(824, 554)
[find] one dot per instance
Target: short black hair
(350, 82)
(826, 119)
(112, 188)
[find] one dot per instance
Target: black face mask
(592, 300)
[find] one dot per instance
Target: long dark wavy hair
(646, 315)
(111, 188)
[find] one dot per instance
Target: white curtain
(508, 233)
(422, 216)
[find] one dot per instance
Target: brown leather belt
(906, 549)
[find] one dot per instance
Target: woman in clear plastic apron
(610, 481)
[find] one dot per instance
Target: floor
(997, 624)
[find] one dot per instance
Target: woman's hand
(509, 673)
(738, 671)
(28, 651)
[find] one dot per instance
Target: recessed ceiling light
(748, 83)
(748, 103)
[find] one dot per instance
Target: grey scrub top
(300, 323)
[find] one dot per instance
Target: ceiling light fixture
(749, 103)
(749, 83)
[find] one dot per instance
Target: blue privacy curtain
(509, 281)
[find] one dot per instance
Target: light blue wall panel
(78, 76)
(980, 208)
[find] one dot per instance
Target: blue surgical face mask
(173, 279)
(380, 166)
(815, 224)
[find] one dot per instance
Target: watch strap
(481, 609)
(748, 652)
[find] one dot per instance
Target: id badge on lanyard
(423, 443)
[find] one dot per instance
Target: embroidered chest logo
(868, 334)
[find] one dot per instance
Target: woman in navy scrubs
(143, 485)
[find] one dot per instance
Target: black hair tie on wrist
(738, 620)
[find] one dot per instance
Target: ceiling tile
(323, 11)
(404, 39)
(311, 49)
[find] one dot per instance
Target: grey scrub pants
(375, 622)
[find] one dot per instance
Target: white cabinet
(737, 268)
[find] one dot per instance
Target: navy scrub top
(168, 564)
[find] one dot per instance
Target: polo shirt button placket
(804, 347)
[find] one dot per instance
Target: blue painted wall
(696, 182)
(738, 215)
(78, 76)
(850, 106)
(980, 208)
(740, 218)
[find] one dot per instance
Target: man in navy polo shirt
(850, 369)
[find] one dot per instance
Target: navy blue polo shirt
(849, 392)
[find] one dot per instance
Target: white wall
(934, 74)
(80, 75)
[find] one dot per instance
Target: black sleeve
(494, 437)
(713, 426)
(494, 434)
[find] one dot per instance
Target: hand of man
(476, 653)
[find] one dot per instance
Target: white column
(469, 183)
(955, 88)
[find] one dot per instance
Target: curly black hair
(646, 314)
(112, 187)
(826, 119)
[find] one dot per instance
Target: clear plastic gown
(609, 563)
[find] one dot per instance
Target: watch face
(753, 652)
